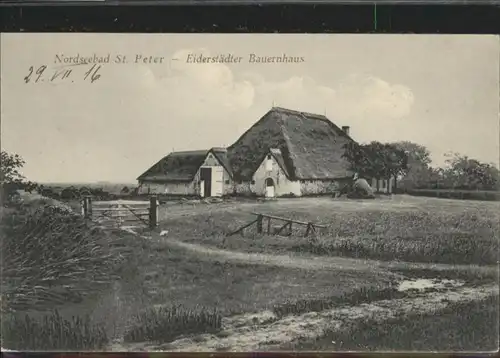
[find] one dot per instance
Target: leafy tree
(11, 178)
(462, 172)
(358, 159)
(125, 190)
(418, 155)
(419, 172)
(376, 160)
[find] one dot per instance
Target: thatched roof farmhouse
(286, 152)
(310, 145)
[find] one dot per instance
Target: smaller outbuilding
(203, 173)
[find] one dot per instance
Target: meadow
(400, 228)
(151, 290)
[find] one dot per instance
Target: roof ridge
(189, 151)
(305, 114)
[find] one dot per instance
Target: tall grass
(164, 324)
(52, 332)
(51, 255)
(53, 258)
(447, 237)
(426, 249)
(356, 297)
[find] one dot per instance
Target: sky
(441, 91)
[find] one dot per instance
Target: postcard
(245, 193)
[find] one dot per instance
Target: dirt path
(316, 262)
(265, 331)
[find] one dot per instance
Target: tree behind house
(376, 160)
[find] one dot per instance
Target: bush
(165, 324)
(51, 332)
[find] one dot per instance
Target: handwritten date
(69, 73)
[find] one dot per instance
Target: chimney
(345, 129)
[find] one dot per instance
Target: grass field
(403, 228)
(194, 281)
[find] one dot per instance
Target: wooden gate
(122, 212)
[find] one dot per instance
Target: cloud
(368, 96)
(301, 93)
(210, 84)
(354, 98)
(187, 88)
(212, 91)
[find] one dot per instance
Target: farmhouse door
(217, 181)
(269, 188)
(206, 178)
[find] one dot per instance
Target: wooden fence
(122, 212)
(285, 228)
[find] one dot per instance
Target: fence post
(153, 212)
(84, 207)
(259, 224)
(87, 206)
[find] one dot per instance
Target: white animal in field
(164, 233)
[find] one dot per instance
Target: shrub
(165, 324)
(51, 332)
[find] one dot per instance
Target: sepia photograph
(249, 193)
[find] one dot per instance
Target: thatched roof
(278, 156)
(311, 146)
(182, 166)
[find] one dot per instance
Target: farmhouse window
(269, 163)
(253, 182)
